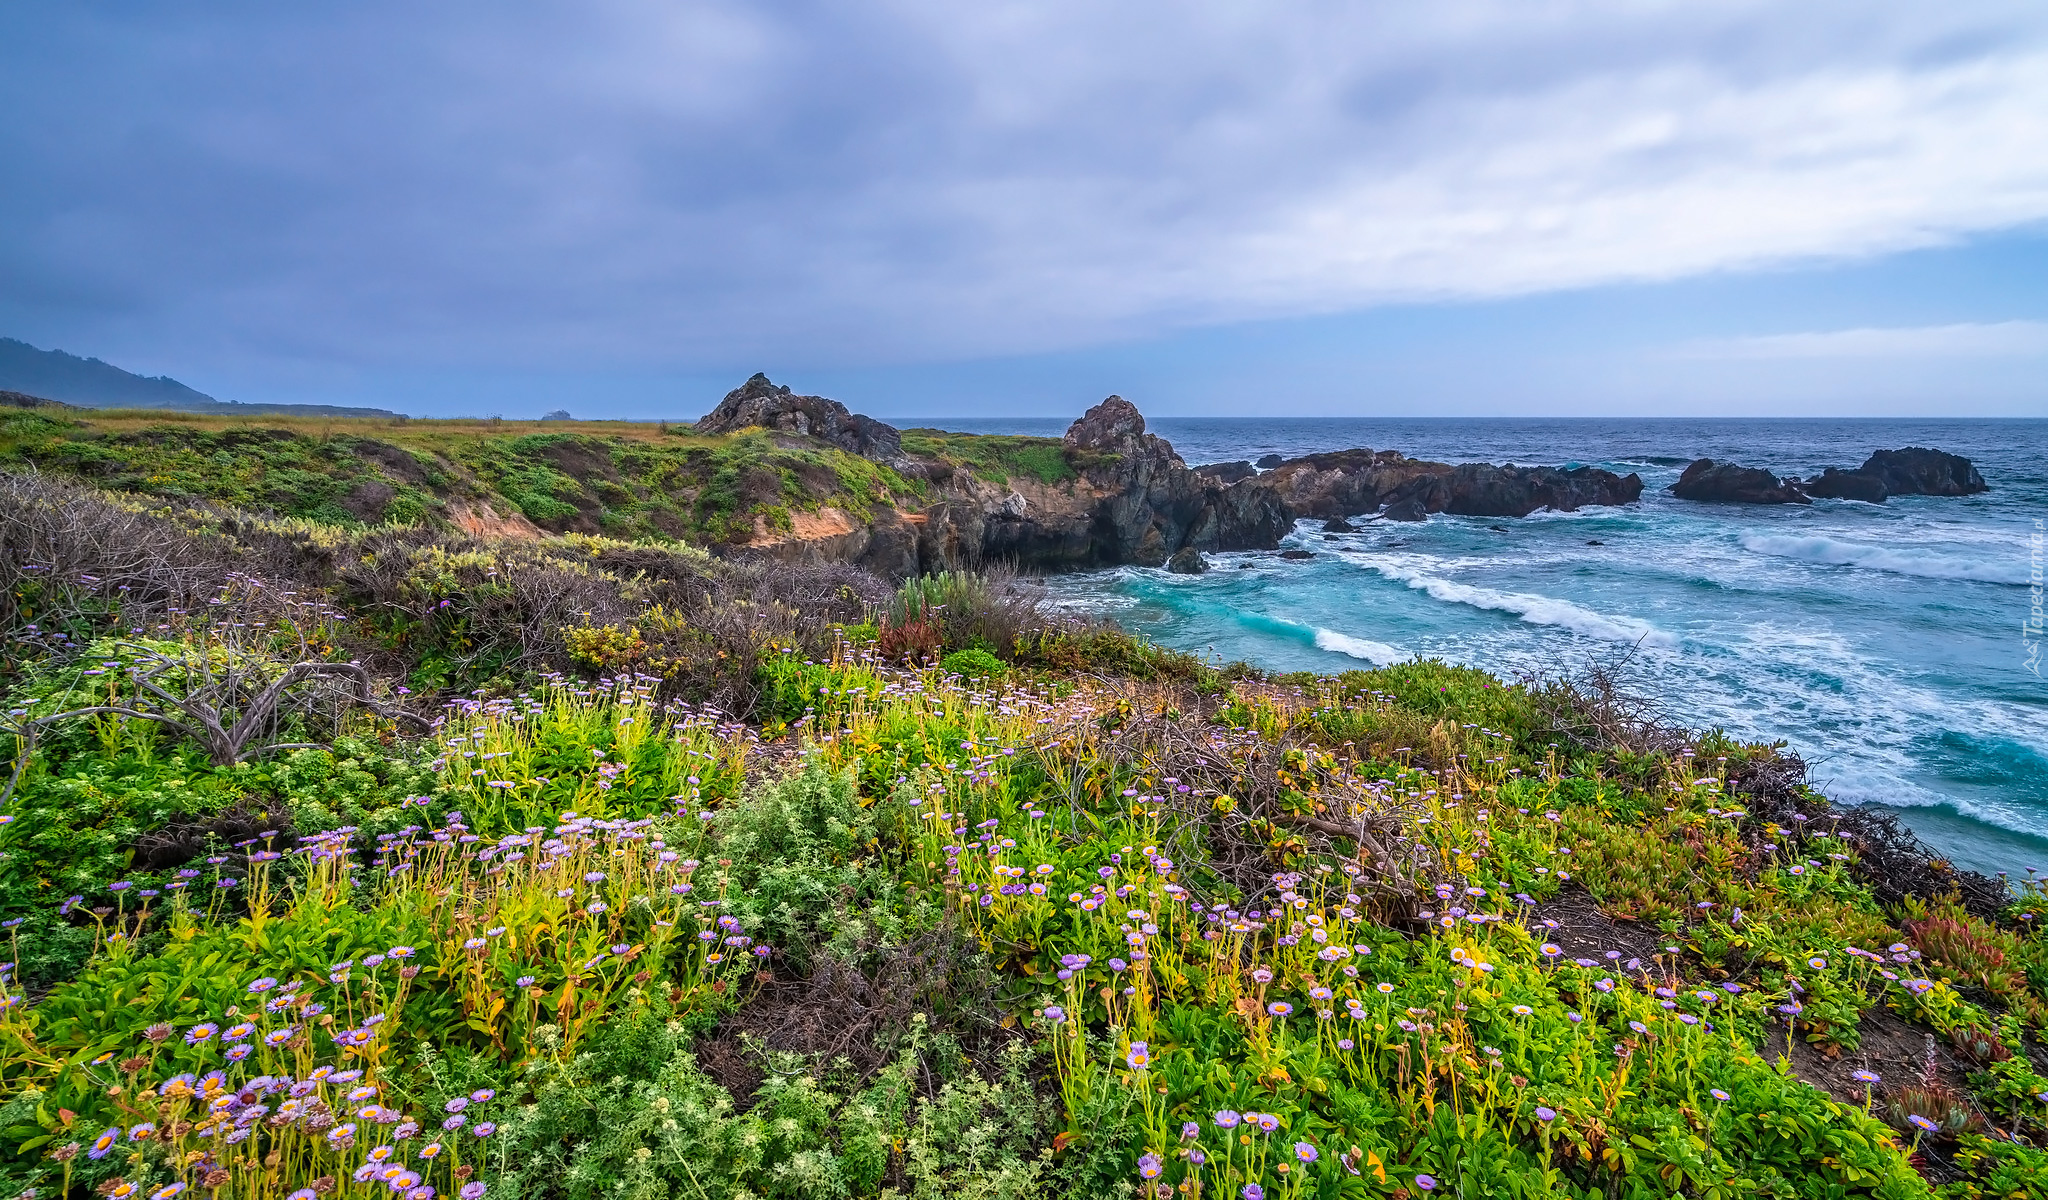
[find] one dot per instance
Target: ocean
(1882, 642)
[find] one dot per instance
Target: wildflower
(104, 1143)
(1055, 1013)
(1227, 1119)
(1139, 1056)
(1150, 1165)
(1386, 989)
(1253, 1191)
(1717, 1093)
(167, 1191)
(1817, 963)
(1305, 1152)
(1189, 1131)
(1551, 950)
(1864, 1076)
(1522, 1010)
(200, 1032)
(1545, 1115)
(473, 1190)
(1280, 1008)
(1267, 1121)
(1922, 1123)
(483, 1129)
(1426, 1183)
(141, 1132)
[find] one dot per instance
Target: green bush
(973, 664)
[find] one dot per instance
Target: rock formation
(1919, 471)
(1347, 482)
(1837, 484)
(760, 402)
(1727, 483)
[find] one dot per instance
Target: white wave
(1379, 654)
(1535, 609)
(1832, 553)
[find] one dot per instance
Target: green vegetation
(615, 478)
(790, 885)
(998, 458)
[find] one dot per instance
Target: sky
(1212, 207)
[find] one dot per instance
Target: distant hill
(90, 383)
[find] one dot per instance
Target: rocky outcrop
(1837, 484)
(1335, 485)
(1268, 461)
(760, 402)
(1187, 561)
(1919, 471)
(1726, 483)
(1226, 472)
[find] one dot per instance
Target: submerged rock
(1727, 483)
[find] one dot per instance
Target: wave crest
(1379, 654)
(1535, 609)
(1831, 553)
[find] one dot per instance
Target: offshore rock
(1187, 561)
(1837, 484)
(1919, 471)
(1726, 483)
(1331, 486)
(1226, 472)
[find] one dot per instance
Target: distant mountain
(90, 383)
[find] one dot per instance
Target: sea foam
(1379, 654)
(1535, 609)
(1829, 552)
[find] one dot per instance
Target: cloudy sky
(625, 206)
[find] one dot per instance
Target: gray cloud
(690, 185)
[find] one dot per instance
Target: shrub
(973, 664)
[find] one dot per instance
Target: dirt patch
(395, 461)
(366, 500)
(478, 519)
(860, 1015)
(581, 460)
(806, 527)
(184, 838)
(1586, 932)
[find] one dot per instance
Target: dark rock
(560, 414)
(1268, 462)
(1187, 561)
(1348, 481)
(760, 402)
(1596, 542)
(1837, 484)
(1339, 525)
(1498, 528)
(1919, 471)
(1244, 566)
(1297, 555)
(1408, 509)
(1726, 483)
(1229, 472)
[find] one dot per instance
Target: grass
(997, 927)
(998, 458)
(625, 479)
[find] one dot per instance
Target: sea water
(1882, 642)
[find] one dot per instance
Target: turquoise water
(1883, 642)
